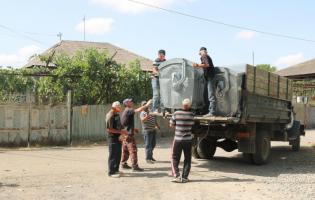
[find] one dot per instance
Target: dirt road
(81, 173)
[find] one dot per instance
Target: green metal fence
(88, 124)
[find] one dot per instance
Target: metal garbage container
(180, 80)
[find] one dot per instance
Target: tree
(267, 67)
(97, 79)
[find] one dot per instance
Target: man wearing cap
(182, 121)
(114, 127)
(129, 144)
(148, 129)
(156, 83)
(209, 73)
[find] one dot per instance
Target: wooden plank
(287, 88)
(268, 83)
(250, 78)
(254, 79)
(278, 86)
(261, 81)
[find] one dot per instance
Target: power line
(221, 23)
(14, 36)
(24, 35)
(32, 32)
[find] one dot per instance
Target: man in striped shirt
(156, 83)
(182, 121)
(148, 130)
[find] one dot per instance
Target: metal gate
(34, 120)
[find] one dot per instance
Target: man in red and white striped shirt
(182, 121)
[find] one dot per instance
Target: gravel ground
(81, 173)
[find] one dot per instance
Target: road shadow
(165, 162)
(8, 185)
(144, 174)
(158, 169)
(224, 180)
(282, 161)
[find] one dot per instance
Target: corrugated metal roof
(303, 68)
(71, 47)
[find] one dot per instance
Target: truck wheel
(206, 149)
(262, 148)
(296, 143)
(194, 152)
(248, 158)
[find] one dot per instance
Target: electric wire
(31, 32)
(221, 23)
(24, 35)
(14, 36)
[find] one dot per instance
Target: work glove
(150, 102)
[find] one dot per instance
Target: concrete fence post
(69, 117)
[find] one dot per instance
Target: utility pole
(59, 35)
(84, 26)
(253, 59)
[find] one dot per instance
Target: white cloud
(19, 59)
(246, 34)
(289, 60)
(28, 50)
(117, 45)
(8, 60)
(97, 26)
(132, 7)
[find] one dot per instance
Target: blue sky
(144, 30)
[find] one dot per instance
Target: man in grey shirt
(148, 130)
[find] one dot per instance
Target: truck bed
(204, 119)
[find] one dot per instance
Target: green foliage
(32, 57)
(13, 80)
(102, 80)
(267, 67)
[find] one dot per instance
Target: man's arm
(172, 122)
(145, 118)
(201, 65)
(112, 130)
(157, 125)
(142, 108)
(155, 71)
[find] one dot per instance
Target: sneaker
(137, 169)
(185, 180)
(114, 175)
(153, 159)
(209, 115)
(156, 111)
(119, 172)
(176, 180)
(150, 162)
(126, 167)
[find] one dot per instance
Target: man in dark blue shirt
(209, 74)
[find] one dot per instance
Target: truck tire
(206, 149)
(296, 143)
(248, 158)
(262, 148)
(194, 152)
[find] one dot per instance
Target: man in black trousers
(182, 121)
(114, 127)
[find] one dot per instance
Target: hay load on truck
(253, 108)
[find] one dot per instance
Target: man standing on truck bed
(156, 83)
(114, 127)
(209, 73)
(182, 121)
(129, 144)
